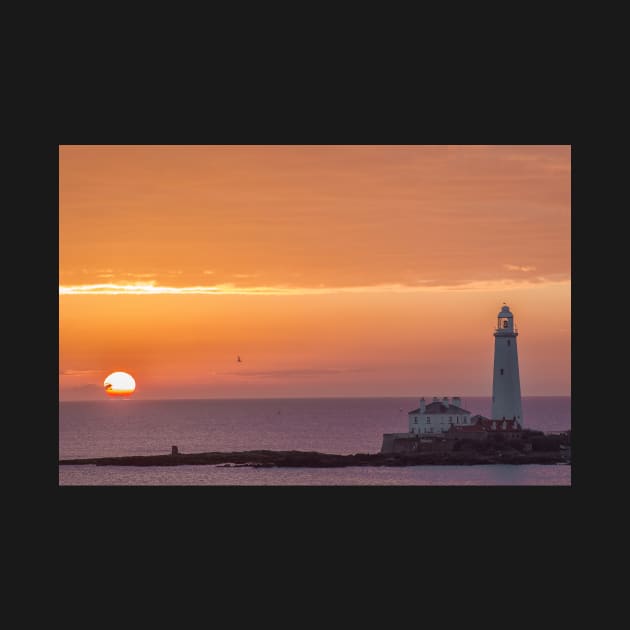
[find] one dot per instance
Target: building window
(509, 343)
(428, 420)
(457, 419)
(450, 418)
(501, 371)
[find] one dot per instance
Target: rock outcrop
(312, 459)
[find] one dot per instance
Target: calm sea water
(331, 425)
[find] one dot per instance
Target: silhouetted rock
(312, 459)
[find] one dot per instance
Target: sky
(330, 270)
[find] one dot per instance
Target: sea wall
(389, 439)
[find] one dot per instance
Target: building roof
(439, 407)
(499, 425)
(479, 423)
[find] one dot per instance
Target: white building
(506, 384)
(438, 416)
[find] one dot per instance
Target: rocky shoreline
(312, 459)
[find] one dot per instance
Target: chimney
(445, 401)
(457, 401)
(174, 450)
(436, 399)
(423, 405)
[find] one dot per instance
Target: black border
(348, 513)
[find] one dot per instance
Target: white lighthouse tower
(506, 384)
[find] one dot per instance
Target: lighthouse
(506, 384)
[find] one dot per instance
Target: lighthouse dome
(505, 312)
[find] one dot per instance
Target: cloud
(78, 372)
(87, 388)
(111, 273)
(291, 372)
(345, 215)
(136, 288)
(151, 288)
(519, 268)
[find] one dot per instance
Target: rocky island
(313, 459)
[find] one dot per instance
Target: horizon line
(293, 397)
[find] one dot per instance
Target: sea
(116, 427)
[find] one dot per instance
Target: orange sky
(332, 270)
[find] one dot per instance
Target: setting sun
(119, 384)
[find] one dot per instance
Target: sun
(119, 384)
